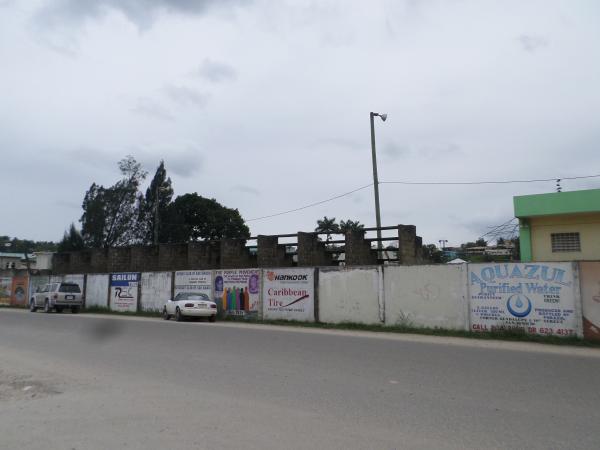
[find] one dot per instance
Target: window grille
(565, 242)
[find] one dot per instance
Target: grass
(511, 335)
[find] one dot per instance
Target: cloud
(147, 107)
(185, 163)
(215, 71)
(245, 189)
(531, 43)
(142, 13)
(394, 150)
(186, 96)
(340, 142)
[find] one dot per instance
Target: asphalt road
(96, 382)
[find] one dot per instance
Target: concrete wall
(96, 290)
(351, 295)
(427, 296)
(156, 290)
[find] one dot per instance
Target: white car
(190, 304)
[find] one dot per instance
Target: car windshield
(191, 296)
(69, 288)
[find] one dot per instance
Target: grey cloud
(142, 13)
(394, 150)
(90, 156)
(216, 71)
(186, 96)
(531, 43)
(340, 142)
(245, 189)
(147, 107)
(184, 164)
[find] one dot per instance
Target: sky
(264, 106)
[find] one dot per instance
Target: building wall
(587, 225)
(96, 290)
(156, 290)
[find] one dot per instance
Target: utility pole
(376, 182)
(443, 243)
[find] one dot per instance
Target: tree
(328, 226)
(110, 214)
(432, 253)
(351, 225)
(500, 241)
(481, 243)
(71, 241)
(195, 218)
(153, 207)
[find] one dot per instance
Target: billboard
(589, 273)
(124, 291)
(289, 294)
(237, 292)
(538, 298)
(5, 290)
(19, 290)
(194, 281)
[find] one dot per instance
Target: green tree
(195, 218)
(481, 243)
(71, 241)
(328, 226)
(110, 214)
(350, 225)
(153, 207)
(432, 253)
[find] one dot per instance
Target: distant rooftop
(16, 255)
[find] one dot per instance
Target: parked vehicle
(188, 304)
(57, 296)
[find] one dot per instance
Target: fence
(560, 299)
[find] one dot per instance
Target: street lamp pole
(376, 181)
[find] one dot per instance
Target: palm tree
(328, 226)
(350, 225)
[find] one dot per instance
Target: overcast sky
(264, 105)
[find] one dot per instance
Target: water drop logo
(518, 305)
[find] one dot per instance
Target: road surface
(100, 382)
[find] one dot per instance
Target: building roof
(15, 255)
(572, 202)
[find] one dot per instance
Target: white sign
(124, 291)
(538, 298)
(289, 294)
(193, 281)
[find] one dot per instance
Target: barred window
(565, 242)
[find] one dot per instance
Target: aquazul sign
(536, 298)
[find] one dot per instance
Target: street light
(376, 181)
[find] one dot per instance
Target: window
(565, 242)
(73, 288)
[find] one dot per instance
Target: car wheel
(74, 309)
(47, 308)
(32, 306)
(178, 315)
(212, 318)
(165, 316)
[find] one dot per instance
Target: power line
(487, 182)
(312, 204)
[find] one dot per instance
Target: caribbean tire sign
(535, 298)
(124, 291)
(289, 294)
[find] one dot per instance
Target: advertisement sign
(194, 281)
(289, 294)
(5, 290)
(237, 292)
(19, 291)
(589, 273)
(535, 298)
(124, 291)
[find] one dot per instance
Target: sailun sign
(535, 298)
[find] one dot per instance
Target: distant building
(561, 226)
(18, 261)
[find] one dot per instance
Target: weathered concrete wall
(351, 295)
(96, 290)
(427, 296)
(156, 290)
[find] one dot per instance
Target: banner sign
(237, 292)
(589, 274)
(536, 298)
(19, 291)
(193, 281)
(289, 294)
(124, 291)
(5, 289)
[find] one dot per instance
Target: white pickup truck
(57, 296)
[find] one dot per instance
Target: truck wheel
(74, 309)
(178, 315)
(165, 316)
(47, 308)
(58, 309)
(32, 306)
(212, 318)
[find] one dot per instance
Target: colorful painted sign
(194, 281)
(589, 274)
(535, 298)
(237, 292)
(124, 291)
(289, 294)
(19, 291)
(5, 290)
